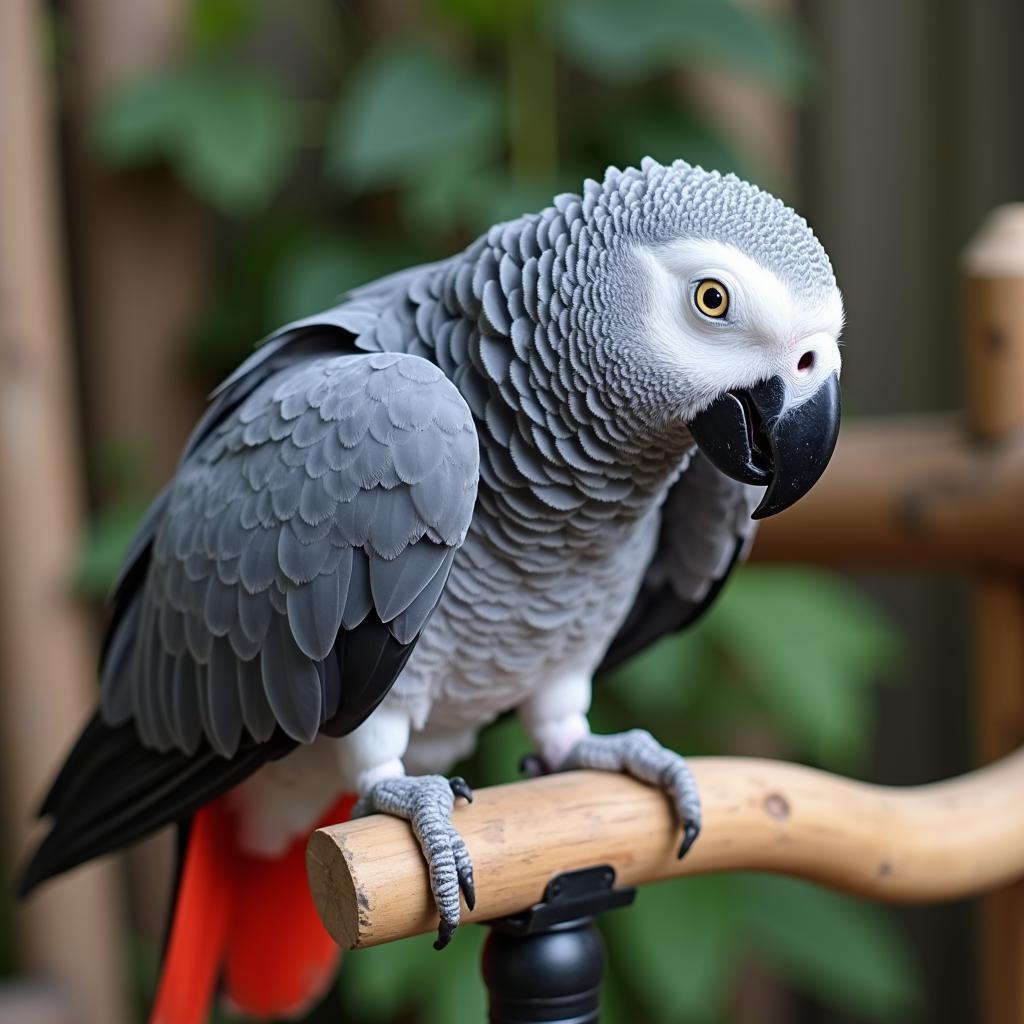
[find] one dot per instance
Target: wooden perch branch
(921, 844)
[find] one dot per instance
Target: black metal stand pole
(547, 964)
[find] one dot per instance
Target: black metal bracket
(547, 963)
(569, 897)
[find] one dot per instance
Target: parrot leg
(426, 802)
(639, 754)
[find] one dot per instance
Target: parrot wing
(351, 325)
(705, 531)
(276, 591)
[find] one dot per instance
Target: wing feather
(228, 644)
(309, 564)
(705, 530)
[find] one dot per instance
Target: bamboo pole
(908, 491)
(993, 266)
(70, 931)
(920, 844)
(140, 244)
(141, 258)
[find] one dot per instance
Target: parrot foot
(426, 802)
(639, 754)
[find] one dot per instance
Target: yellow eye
(712, 298)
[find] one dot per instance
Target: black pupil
(713, 298)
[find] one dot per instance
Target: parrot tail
(246, 921)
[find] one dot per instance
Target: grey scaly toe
(426, 802)
(639, 754)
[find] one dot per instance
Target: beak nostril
(806, 362)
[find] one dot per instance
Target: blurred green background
(277, 154)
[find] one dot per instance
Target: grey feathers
(658, 203)
(294, 518)
(705, 516)
(331, 485)
(496, 443)
(704, 529)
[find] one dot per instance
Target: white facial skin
(766, 331)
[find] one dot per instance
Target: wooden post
(70, 931)
(993, 267)
(140, 244)
(915, 844)
(141, 259)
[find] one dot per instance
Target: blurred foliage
(407, 115)
(629, 41)
(334, 147)
(120, 469)
(474, 112)
(229, 134)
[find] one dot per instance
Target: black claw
(461, 788)
(690, 833)
(532, 766)
(467, 886)
(445, 931)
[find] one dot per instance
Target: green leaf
(482, 196)
(239, 137)
(317, 268)
(498, 198)
(497, 757)
(663, 679)
(618, 1006)
(679, 946)
(456, 994)
(220, 22)
(847, 953)
(612, 39)
(121, 469)
(378, 983)
(106, 542)
(481, 16)
(459, 193)
(138, 121)
(404, 108)
(441, 197)
(314, 273)
(228, 133)
(669, 135)
(237, 313)
(808, 644)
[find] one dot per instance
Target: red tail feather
(247, 919)
(202, 917)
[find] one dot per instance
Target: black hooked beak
(751, 436)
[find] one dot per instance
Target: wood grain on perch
(921, 844)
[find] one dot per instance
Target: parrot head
(723, 303)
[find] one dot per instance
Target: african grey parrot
(466, 489)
